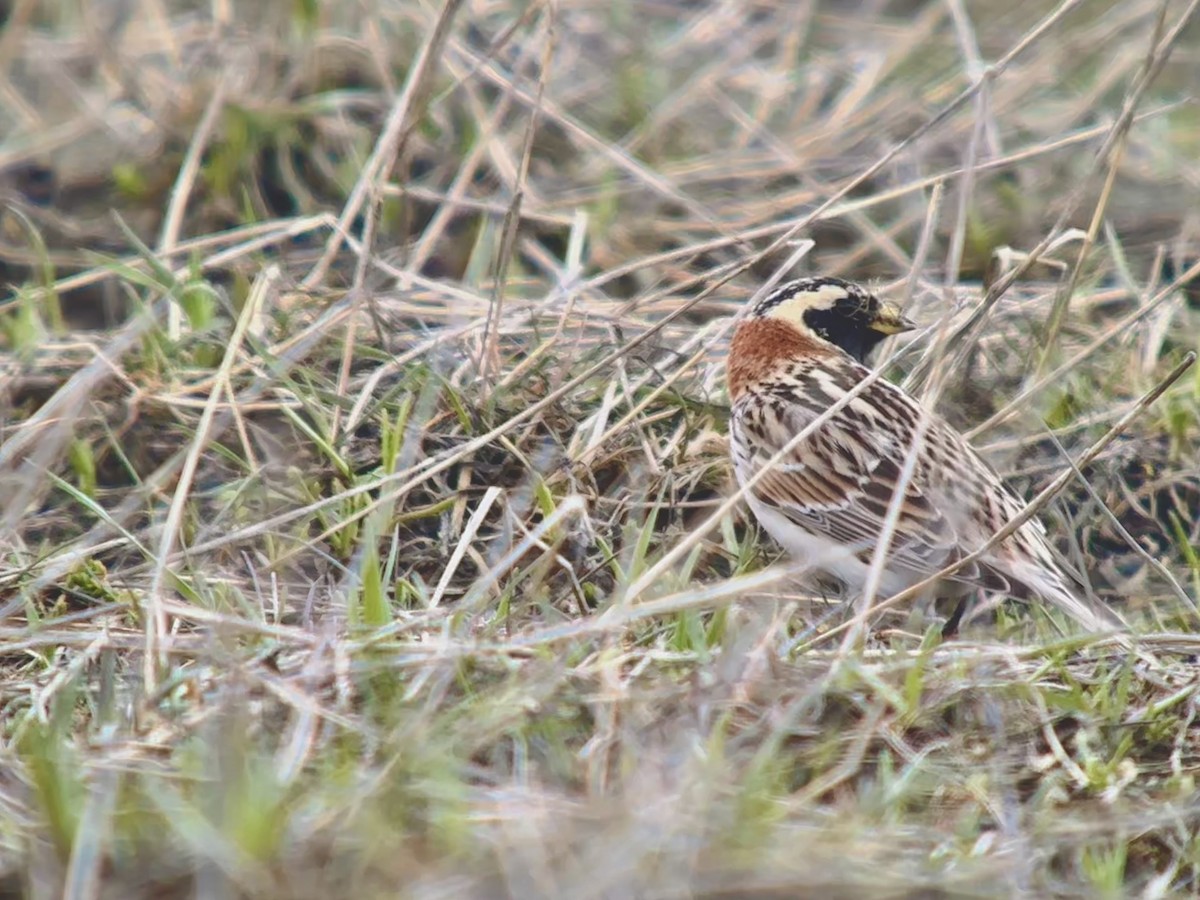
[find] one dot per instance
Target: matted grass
(363, 479)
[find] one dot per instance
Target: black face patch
(847, 324)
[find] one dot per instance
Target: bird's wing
(840, 481)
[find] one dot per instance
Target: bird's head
(834, 311)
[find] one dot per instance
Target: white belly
(814, 552)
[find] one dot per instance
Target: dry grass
(362, 459)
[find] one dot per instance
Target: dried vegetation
(362, 465)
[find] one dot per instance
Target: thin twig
(489, 352)
(189, 169)
(406, 112)
(1018, 402)
(156, 618)
(1116, 144)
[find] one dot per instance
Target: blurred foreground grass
(362, 421)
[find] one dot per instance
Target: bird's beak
(889, 320)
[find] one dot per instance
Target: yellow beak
(889, 320)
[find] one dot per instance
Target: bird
(800, 350)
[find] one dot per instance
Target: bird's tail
(1052, 587)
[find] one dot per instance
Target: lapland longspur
(800, 350)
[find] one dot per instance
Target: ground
(366, 521)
